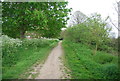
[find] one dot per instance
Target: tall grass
(18, 55)
(83, 64)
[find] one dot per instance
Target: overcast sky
(104, 7)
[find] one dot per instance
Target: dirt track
(52, 67)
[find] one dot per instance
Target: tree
(43, 17)
(119, 17)
(77, 18)
(92, 32)
(57, 18)
(21, 17)
(117, 10)
(99, 30)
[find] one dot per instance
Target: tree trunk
(95, 49)
(22, 34)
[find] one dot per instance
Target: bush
(78, 33)
(111, 71)
(35, 42)
(11, 46)
(104, 58)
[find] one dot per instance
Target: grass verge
(27, 56)
(84, 65)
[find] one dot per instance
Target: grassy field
(85, 65)
(17, 60)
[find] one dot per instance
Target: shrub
(111, 71)
(78, 33)
(35, 42)
(11, 46)
(104, 58)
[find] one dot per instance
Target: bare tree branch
(114, 24)
(77, 18)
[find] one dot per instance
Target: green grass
(26, 57)
(84, 65)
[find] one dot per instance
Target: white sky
(103, 7)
